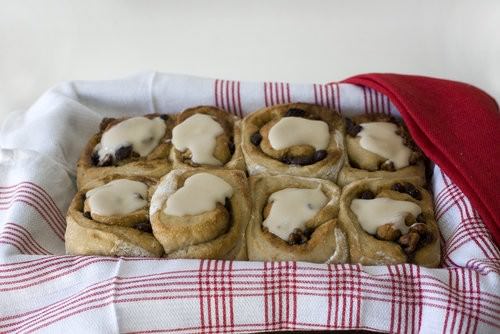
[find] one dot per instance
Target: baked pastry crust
(366, 248)
(228, 145)
(351, 170)
(263, 159)
(216, 234)
(155, 164)
(112, 235)
(234, 230)
(327, 242)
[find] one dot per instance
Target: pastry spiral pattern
(294, 139)
(295, 218)
(189, 223)
(207, 137)
(389, 221)
(380, 146)
(111, 217)
(130, 146)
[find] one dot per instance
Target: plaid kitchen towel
(42, 290)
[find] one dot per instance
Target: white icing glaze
(381, 138)
(376, 212)
(198, 133)
(118, 197)
(292, 208)
(290, 131)
(200, 193)
(142, 133)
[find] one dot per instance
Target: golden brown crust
(415, 174)
(155, 165)
(327, 242)
(218, 234)
(366, 248)
(262, 158)
(112, 235)
(363, 164)
(234, 231)
(228, 144)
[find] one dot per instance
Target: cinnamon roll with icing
(389, 221)
(294, 139)
(207, 137)
(380, 146)
(111, 217)
(202, 213)
(295, 219)
(129, 146)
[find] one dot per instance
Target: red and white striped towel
(42, 290)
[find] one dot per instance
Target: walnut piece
(409, 242)
(388, 232)
(425, 233)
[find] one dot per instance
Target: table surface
(43, 43)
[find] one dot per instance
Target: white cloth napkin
(42, 290)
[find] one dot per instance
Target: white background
(45, 42)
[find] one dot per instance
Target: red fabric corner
(457, 126)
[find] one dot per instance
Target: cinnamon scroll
(295, 218)
(207, 137)
(380, 146)
(294, 139)
(129, 146)
(111, 217)
(175, 186)
(389, 222)
(202, 213)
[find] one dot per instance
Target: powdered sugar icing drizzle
(376, 212)
(290, 131)
(142, 133)
(198, 133)
(200, 193)
(381, 138)
(117, 197)
(292, 208)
